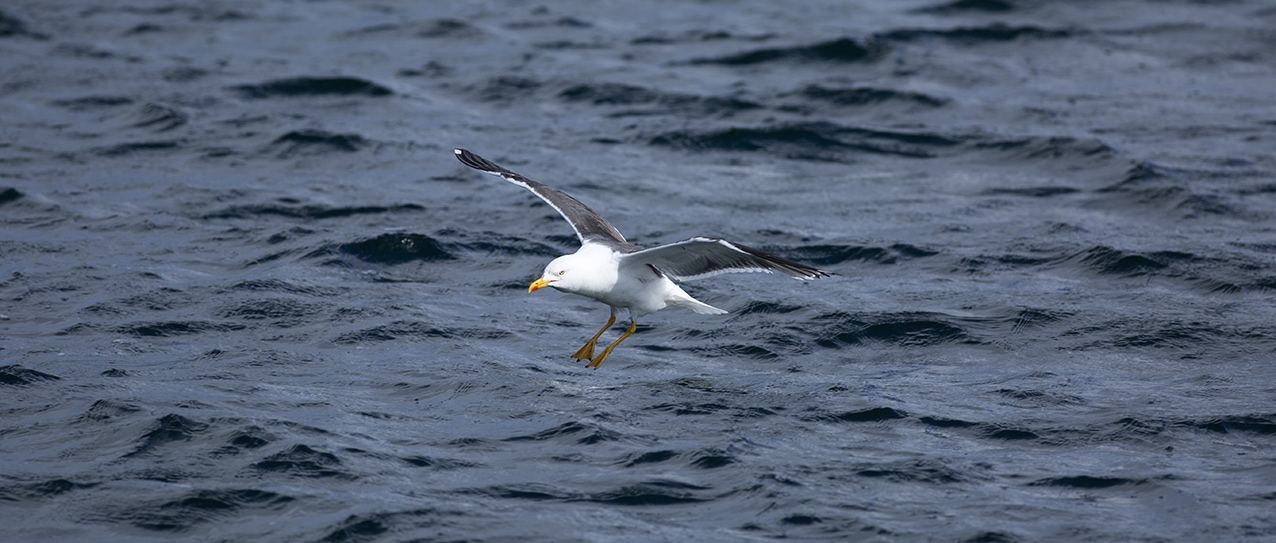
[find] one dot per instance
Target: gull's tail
(681, 299)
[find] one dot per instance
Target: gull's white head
(578, 274)
(558, 274)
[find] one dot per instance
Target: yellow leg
(633, 325)
(587, 352)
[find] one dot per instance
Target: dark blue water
(248, 294)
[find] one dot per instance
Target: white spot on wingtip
(457, 151)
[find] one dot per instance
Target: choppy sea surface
(248, 294)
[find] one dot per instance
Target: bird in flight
(626, 276)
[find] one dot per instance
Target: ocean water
(248, 294)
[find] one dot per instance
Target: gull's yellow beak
(537, 285)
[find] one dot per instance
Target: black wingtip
(477, 162)
(793, 269)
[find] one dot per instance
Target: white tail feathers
(695, 305)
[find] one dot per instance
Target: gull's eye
(560, 273)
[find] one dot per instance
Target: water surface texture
(248, 294)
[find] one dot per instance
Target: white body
(598, 272)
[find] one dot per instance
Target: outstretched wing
(589, 225)
(702, 257)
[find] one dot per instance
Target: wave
(574, 433)
(281, 312)
(175, 328)
(877, 46)
(157, 117)
(106, 410)
(18, 376)
(315, 142)
(388, 249)
(505, 89)
(809, 141)
(1149, 185)
(93, 102)
(303, 461)
(874, 414)
(913, 329)
(10, 194)
(12, 26)
(827, 141)
(961, 7)
(662, 103)
(841, 50)
(927, 329)
(1087, 482)
(695, 36)
(652, 493)
(281, 285)
(248, 438)
(869, 96)
(1032, 192)
(1186, 339)
(1041, 148)
(168, 429)
(184, 74)
(430, 29)
(291, 208)
(133, 148)
(410, 330)
(401, 248)
(1109, 261)
(312, 86)
(1257, 424)
(203, 505)
(711, 458)
(914, 471)
(419, 461)
(995, 32)
(35, 491)
(1229, 274)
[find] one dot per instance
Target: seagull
(625, 276)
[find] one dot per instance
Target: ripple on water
(18, 376)
(841, 50)
(303, 461)
(312, 86)
(204, 505)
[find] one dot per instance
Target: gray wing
(589, 225)
(702, 257)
